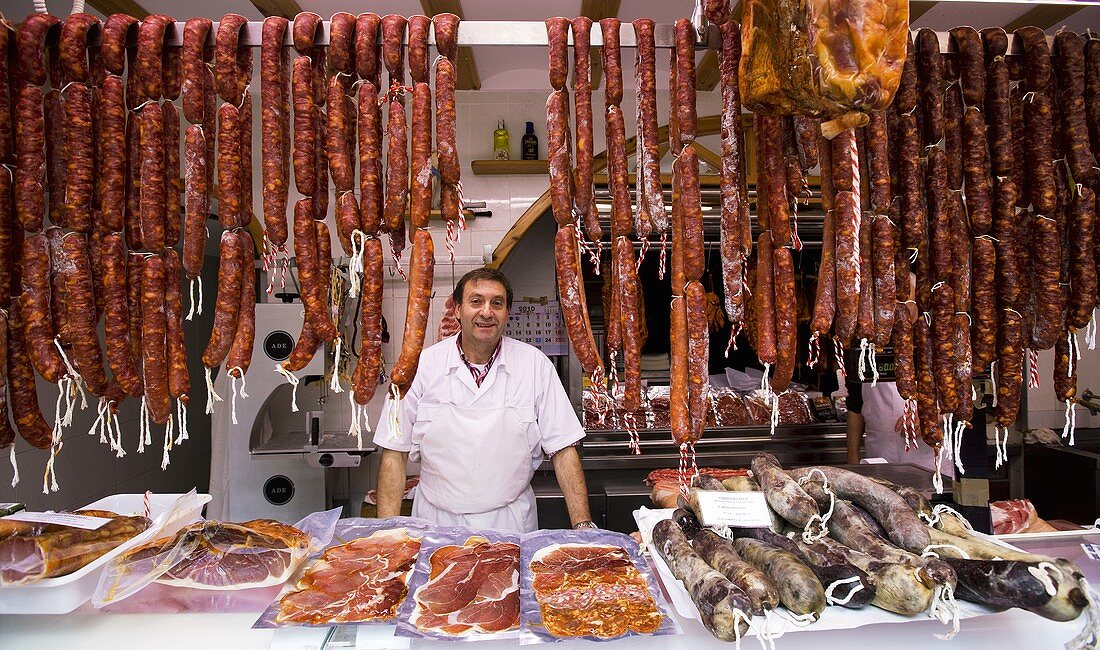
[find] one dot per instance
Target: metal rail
(492, 33)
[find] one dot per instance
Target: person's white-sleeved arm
(402, 439)
(557, 420)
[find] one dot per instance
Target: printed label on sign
(1091, 550)
(60, 519)
(738, 509)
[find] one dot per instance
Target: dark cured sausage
(275, 128)
(112, 46)
(246, 159)
(557, 152)
(393, 37)
(847, 266)
(557, 33)
(904, 370)
(698, 345)
(1046, 270)
(865, 309)
(786, 319)
(582, 100)
(196, 31)
(944, 345)
(154, 351)
(179, 383)
(983, 343)
(734, 196)
(135, 264)
(227, 304)
(240, 352)
(691, 214)
(573, 303)
(230, 190)
(1010, 362)
(30, 150)
(648, 168)
(79, 158)
(764, 296)
(1070, 68)
(445, 123)
(78, 326)
(196, 200)
(7, 64)
(341, 39)
(619, 185)
(232, 59)
(421, 272)
(31, 46)
(928, 413)
(35, 302)
(314, 297)
(340, 133)
(305, 134)
(612, 62)
(685, 79)
(117, 315)
(132, 217)
(998, 111)
(420, 196)
(111, 149)
(446, 35)
(930, 72)
(976, 171)
(10, 244)
(370, 160)
(825, 293)
(7, 433)
(884, 233)
(365, 378)
(397, 169)
(22, 391)
(152, 177)
(173, 217)
(152, 51)
(1037, 120)
(630, 326)
(773, 187)
(1082, 298)
(368, 48)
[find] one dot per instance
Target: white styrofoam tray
(63, 594)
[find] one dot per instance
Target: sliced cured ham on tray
(465, 585)
(589, 584)
(362, 577)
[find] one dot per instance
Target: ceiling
(524, 68)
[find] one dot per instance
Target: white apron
(476, 469)
(882, 412)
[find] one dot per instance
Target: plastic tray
(63, 594)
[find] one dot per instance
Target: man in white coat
(480, 414)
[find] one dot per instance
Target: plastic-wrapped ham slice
(588, 584)
(217, 555)
(53, 551)
(465, 586)
(361, 578)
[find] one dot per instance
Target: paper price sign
(60, 518)
(737, 509)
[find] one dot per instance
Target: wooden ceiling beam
(468, 77)
(285, 8)
(128, 7)
(918, 8)
(1044, 17)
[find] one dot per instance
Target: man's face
(483, 311)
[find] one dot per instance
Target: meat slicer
(272, 462)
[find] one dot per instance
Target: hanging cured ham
(822, 58)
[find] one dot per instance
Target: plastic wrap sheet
(362, 576)
(601, 588)
(465, 587)
(213, 555)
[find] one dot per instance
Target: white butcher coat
(480, 446)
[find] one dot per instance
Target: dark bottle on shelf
(530, 144)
